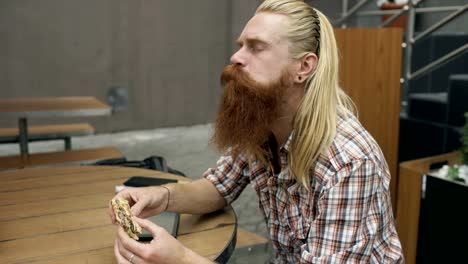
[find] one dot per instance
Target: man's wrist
(168, 196)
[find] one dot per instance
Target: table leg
(67, 143)
(23, 136)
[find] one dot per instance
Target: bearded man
(286, 127)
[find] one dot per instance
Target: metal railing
(395, 16)
(441, 23)
(419, 10)
(441, 61)
(410, 10)
(349, 13)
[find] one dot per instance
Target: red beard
(247, 110)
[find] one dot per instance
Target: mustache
(235, 73)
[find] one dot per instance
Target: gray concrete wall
(168, 53)
(241, 12)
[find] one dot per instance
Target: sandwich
(124, 217)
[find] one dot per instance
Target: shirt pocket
(298, 223)
(300, 212)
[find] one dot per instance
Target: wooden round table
(60, 215)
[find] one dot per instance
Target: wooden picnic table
(26, 108)
(60, 215)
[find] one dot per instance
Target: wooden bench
(48, 132)
(60, 157)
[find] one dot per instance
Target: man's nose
(237, 58)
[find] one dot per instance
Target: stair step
(440, 98)
(428, 106)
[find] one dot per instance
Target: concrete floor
(185, 149)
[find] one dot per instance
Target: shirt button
(276, 222)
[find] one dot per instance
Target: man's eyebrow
(252, 41)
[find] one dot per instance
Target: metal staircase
(434, 80)
(410, 10)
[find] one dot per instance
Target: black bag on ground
(157, 163)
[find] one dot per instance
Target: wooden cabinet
(409, 199)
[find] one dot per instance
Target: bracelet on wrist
(168, 196)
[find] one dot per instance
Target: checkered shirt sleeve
(230, 176)
(351, 216)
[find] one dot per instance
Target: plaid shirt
(346, 217)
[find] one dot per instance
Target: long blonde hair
(315, 122)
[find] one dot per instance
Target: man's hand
(144, 202)
(164, 248)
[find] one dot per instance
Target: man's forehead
(267, 27)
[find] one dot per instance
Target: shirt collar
(285, 175)
(287, 145)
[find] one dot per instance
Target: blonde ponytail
(315, 122)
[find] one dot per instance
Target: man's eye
(255, 48)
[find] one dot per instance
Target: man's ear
(307, 67)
